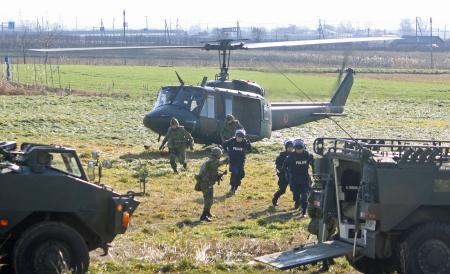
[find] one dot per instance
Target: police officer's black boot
(185, 165)
(275, 200)
(210, 215)
(325, 266)
(205, 217)
(174, 167)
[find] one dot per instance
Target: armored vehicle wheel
(372, 266)
(50, 247)
(426, 250)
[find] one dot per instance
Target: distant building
(418, 42)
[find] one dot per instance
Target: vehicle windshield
(190, 98)
(65, 162)
(166, 96)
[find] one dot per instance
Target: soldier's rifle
(220, 176)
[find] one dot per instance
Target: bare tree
(406, 26)
(258, 33)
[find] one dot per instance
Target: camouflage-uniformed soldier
(229, 127)
(206, 179)
(177, 139)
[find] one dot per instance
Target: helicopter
(202, 109)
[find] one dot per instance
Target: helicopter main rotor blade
(318, 42)
(114, 48)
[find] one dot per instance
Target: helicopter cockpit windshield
(190, 98)
(187, 97)
(166, 96)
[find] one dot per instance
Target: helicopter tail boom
(286, 115)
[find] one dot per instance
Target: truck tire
(50, 247)
(368, 265)
(426, 249)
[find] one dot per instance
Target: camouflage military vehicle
(51, 216)
(390, 202)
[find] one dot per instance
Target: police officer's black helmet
(299, 144)
(240, 133)
(288, 143)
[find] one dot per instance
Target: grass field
(165, 235)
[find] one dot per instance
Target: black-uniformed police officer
(282, 180)
(296, 166)
(237, 147)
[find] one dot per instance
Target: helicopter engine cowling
(241, 85)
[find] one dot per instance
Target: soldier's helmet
(229, 118)
(288, 143)
(299, 144)
(240, 133)
(216, 152)
(174, 122)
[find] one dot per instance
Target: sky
(88, 13)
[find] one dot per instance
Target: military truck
(389, 201)
(51, 216)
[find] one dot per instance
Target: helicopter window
(228, 106)
(266, 110)
(190, 99)
(166, 96)
(208, 107)
(197, 100)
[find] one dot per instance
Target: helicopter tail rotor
(341, 72)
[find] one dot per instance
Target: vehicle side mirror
(92, 165)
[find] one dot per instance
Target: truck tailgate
(307, 255)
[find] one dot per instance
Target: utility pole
(445, 32)
(320, 29)
(124, 28)
(238, 31)
(431, 43)
(418, 28)
(167, 32)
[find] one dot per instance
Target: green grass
(146, 81)
(165, 235)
